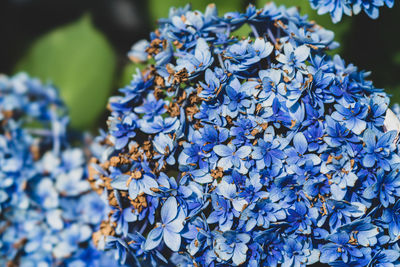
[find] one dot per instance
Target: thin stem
(221, 62)
(56, 129)
(253, 28)
(143, 227)
(228, 31)
(40, 132)
(271, 36)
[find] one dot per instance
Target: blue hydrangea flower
(261, 150)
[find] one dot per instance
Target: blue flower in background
(336, 8)
(138, 51)
(47, 208)
(372, 8)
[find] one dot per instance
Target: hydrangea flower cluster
(47, 209)
(262, 150)
(336, 8)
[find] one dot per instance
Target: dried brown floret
(173, 109)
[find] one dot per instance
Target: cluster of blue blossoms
(336, 8)
(47, 208)
(262, 150)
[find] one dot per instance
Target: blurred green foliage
(80, 62)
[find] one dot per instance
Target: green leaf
(160, 8)
(80, 62)
(394, 92)
(396, 58)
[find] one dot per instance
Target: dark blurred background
(81, 45)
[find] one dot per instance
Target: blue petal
(222, 150)
(369, 160)
(120, 182)
(243, 152)
(154, 238)
(121, 142)
(172, 240)
(300, 143)
(390, 255)
(169, 210)
(239, 254)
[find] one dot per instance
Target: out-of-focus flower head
(260, 150)
(47, 209)
(336, 8)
